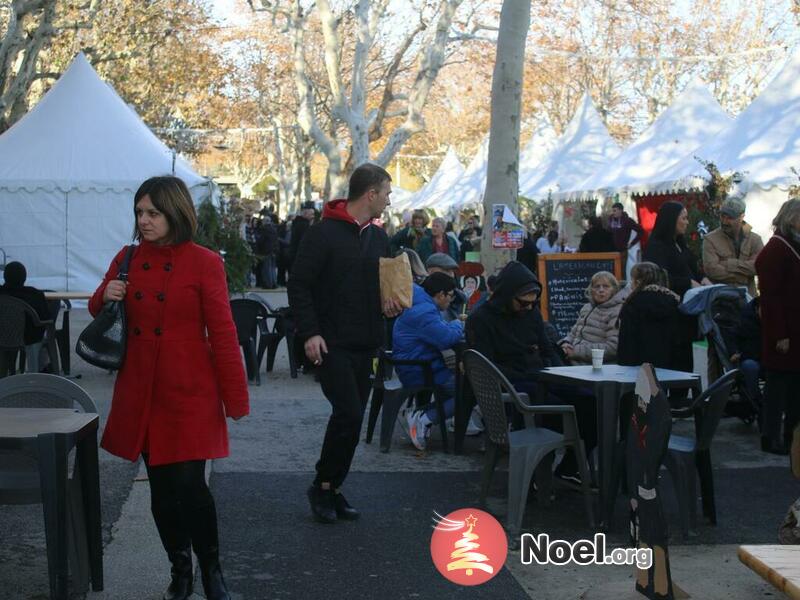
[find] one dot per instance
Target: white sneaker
(416, 430)
(474, 425)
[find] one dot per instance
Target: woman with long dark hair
(667, 248)
(181, 378)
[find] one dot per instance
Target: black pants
(345, 379)
(781, 397)
(183, 507)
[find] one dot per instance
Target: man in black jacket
(334, 295)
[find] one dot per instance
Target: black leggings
(182, 505)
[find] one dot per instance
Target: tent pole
(66, 241)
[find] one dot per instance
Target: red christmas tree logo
(468, 546)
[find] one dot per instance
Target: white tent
(468, 191)
(763, 144)
(68, 172)
(542, 142)
(447, 175)
(692, 119)
(581, 150)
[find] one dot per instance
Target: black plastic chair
(13, 313)
(61, 333)
(685, 454)
(389, 395)
(270, 336)
(246, 315)
(530, 449)
(19, 472)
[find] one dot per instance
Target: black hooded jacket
(648, 328)
(515, 342)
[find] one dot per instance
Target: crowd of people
(179, 317)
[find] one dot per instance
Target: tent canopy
(691, 120)
(542, 142)
(581, 150)
(447, 175)
(763, 143)
(68, 172)
(468, 190)
(82, 135)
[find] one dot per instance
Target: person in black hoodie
(508, 329)
(647, 320)
(745, 347)
(334, 295)
(14, 277)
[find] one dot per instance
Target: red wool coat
(182, 372)
(778, 270)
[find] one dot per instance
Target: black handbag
(102, 343)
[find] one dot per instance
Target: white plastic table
(610, 383)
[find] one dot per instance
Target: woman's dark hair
(595, 222)
(438, 282)
(366, 177)
(552, 236)
(666, 222)
(171, 197)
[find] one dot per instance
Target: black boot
(205, 540)
(177, 543)
(323, 504)
(180, 588)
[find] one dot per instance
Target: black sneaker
(343, 509)
(323, 506)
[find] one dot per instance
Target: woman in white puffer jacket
(598, 322)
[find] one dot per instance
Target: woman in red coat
(181, 377)
(778, 270)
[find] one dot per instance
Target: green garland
(219, 229)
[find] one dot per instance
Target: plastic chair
(13, 313)
(246, 315)
(389, 395)
(19, 472)
(685, 454)
(529, 447)
(270, 338)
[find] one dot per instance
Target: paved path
(272, 548)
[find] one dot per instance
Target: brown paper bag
(396, 280)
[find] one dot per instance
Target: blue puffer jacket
(420, 333)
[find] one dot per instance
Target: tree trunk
(502, 177)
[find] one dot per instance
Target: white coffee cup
(597, 358)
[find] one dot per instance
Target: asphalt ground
(272, 549)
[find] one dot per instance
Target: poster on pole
(507, 232)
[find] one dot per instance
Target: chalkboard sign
(565, 278)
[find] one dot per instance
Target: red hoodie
(337, 209)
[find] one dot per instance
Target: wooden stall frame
(543, 258)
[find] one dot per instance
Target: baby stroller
(718, 309)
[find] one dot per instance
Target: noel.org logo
(468, 546)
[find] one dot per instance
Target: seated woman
(648, 320)
(420, 333)
(745, 348)
(597, 324)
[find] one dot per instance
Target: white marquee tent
(468, 191)
(763, 144)
(68, 172)
(542, 142)
(448, 174)
(692, 119)
(581, 150)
